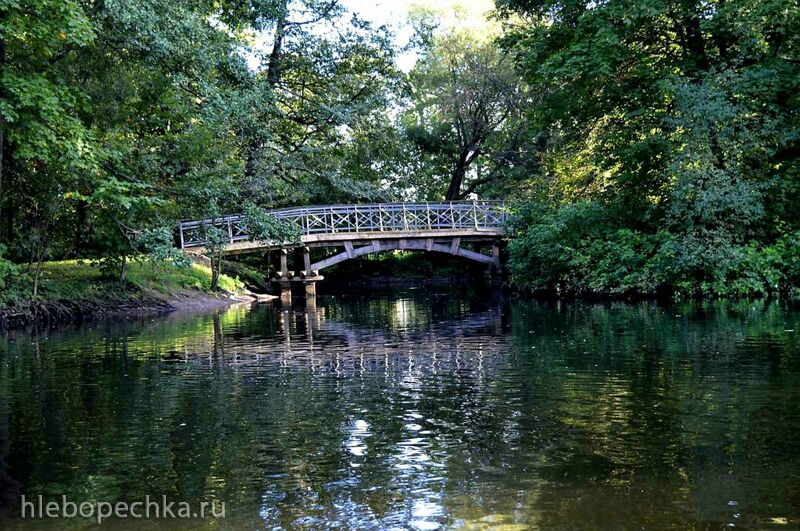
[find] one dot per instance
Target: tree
(323, 76)
(676, 118)
(134, 115)
(465, 99)
(39, 134)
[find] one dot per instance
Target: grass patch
(81, 280)
(169, 280)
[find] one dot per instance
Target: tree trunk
(457, 177)
(216, 267)
(123, 270)
(695, 43)
(274, 66)
(82, 227)
(10, 213)
(722, 37)
(2, 127)
(38, 274)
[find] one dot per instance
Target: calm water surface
(417, 409)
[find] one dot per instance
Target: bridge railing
(382, 217)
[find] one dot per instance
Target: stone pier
(284, 278)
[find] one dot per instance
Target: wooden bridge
(469, 229)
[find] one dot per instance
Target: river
(416, 408)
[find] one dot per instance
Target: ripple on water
(422, 410)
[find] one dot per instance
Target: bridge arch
(377, 246)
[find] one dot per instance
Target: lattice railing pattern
(383, 217)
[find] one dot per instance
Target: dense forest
(645, 146)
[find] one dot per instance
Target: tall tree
(465, 100)
(325, 74)
(123, 117)
(45, 147)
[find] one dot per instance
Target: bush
(15, 285)
(624, 261)
(575, 250)
(544, 243)
(712, 265)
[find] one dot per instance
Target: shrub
(574, 249)
(15, 285)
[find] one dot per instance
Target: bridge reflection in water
(323, 340)
(469, 229)
(420, 409)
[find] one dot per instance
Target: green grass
(145, 280)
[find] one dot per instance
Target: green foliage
(654, 145)
(577, 250)
(265, 227)
(157, 245)
(147, 280)
(119, 119)
(14, 283)
(461, 123)
(670, 149)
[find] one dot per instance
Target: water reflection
(421, 409)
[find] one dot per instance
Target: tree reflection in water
(421, 408)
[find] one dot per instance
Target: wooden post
(283, 279)
(428, 214)
(311, 294)
(307, 261)
(284, 264)
(286, 292)
(496, 266)
(311, 289)
(496, 256)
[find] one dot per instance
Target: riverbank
(74, 290)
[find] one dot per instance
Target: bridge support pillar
(496, 268)
(310, 278)
(496, 256)
(283, 279)
(310, 284)
(311, 294)
(286, 292)
(284, 263)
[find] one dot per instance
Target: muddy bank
(61, 312)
